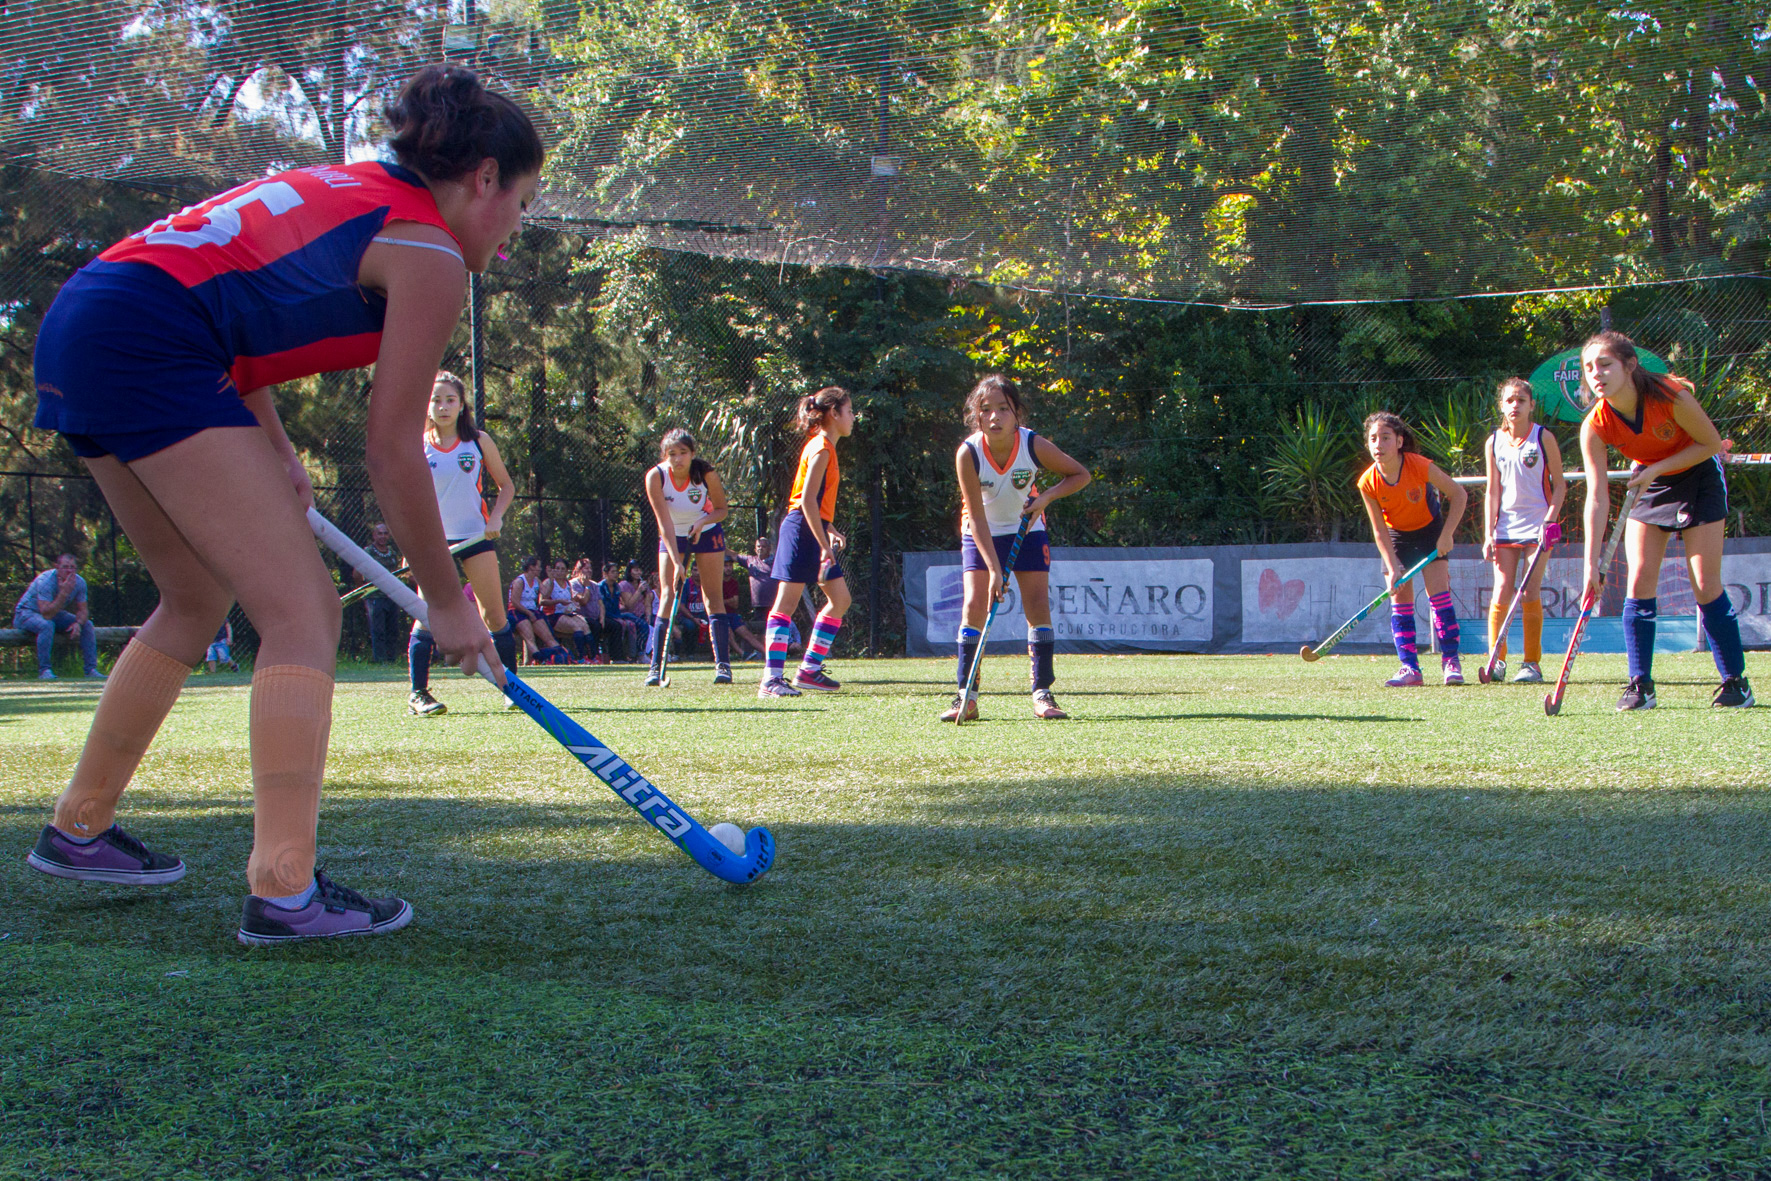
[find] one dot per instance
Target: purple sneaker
(1405, 676)
(112, 856)
(332, 912)
(815, 679)
(776, 687)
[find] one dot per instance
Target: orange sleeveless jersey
(1651, 440)
(1405, 503)
(827, 494)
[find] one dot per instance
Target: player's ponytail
(465, 430)
(996, 383)
(815, 409)
(1410, 445)
(1652, 387)
(445, 123)
(678, 437)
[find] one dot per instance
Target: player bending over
(1654, 419)
(997, 465)
(689, 503)
(156, 362)
(1404, 494)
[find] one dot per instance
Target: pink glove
(1552, 533)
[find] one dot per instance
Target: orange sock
(1497, 642)
(1533, 610)
(139, 694)
(291, 721)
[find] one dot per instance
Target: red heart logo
(1279, 596)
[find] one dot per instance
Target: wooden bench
(13, 638)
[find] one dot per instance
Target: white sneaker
(1528, 674)
(46, 675)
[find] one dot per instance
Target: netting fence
(1208, 239)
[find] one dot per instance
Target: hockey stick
(662, 656)
(1312, 654)
(640, 794)
(1552, 702)
(971, 680)
(369, 588)
(1485, 674)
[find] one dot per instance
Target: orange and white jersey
(1524, 484)
(455, 473)
(687, 501)
(1651, 438)
(1005, 487)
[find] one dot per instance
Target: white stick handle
(334, 539)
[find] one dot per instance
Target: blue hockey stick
(639, 793)
(971, 680)
(1318, 651)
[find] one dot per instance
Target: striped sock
(1402, 630)
(775, 636)
(1445, 624)
(824, 629)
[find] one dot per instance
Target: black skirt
(1684, 500)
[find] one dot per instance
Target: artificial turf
(1238, 916)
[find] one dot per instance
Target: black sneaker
(332, 912)
(722, 674)
(1638, 694)
(424, 705)
(112, 856)
(1735, 693)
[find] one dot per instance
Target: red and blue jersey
(273, 265)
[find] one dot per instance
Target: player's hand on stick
(998, 583)
(494, 526)
(1552, 535)
(1642, 475)
(460, 632)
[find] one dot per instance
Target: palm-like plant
(1455, 435)
(1309, 477)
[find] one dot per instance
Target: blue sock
(968, 652)
(505, 640)
(1041, 643)
(1723, 629)
(1638, 635)
(1402, 631)
(660, 640)
(418, 652)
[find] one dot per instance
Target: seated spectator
(762, 588)
(639, 604)
(604, 632)
(56, 602)
(742, 633)
(524, 607)
(609, 589)
(559, 607)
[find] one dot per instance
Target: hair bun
(445, 122)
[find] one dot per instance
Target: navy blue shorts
(796, 553)
(525, 614)
(484, 545)
(127, 364)
(713, 541)
(1414, 544)
(1035, 556)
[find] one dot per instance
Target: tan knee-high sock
(1497, 640)
(291, 721)
(139, 694)
(1533, 610)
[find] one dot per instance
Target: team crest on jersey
(1529, 457)
(1414, 495)
(1021, 478)
(465, 461)
(1664, 431)
(695, 495)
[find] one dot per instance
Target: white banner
(1138, 603)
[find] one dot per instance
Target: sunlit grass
(1237, 914)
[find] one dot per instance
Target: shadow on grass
(1236, 717)
(1630, 929)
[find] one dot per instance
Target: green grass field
(1240, 916)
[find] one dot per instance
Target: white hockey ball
(729, 835)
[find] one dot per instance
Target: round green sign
(1557, 387)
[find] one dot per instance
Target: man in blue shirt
(56, 602)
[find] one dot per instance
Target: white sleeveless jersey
(687, 504)
(526, 597)
(558, 597)
(1006, 488)
(455, 474)
(1524, 485)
